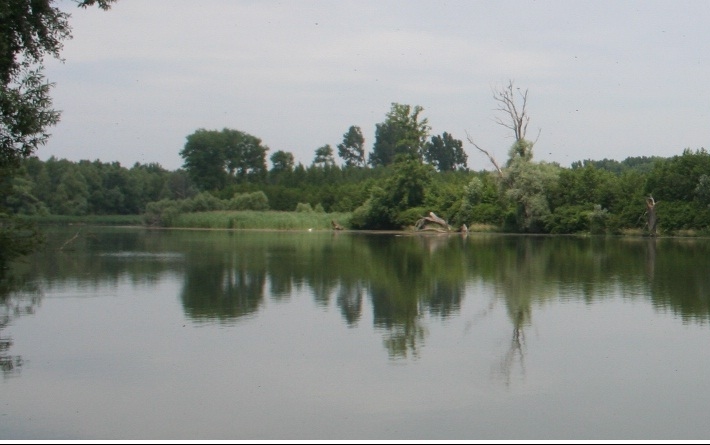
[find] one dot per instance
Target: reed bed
(95, 220)
(265, 220)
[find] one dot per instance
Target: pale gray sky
(606, 78)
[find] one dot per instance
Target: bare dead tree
(651, 218)
(516, 118)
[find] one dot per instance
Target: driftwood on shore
(433, 223)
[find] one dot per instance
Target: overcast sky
(605, 78)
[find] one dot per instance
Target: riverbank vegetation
(599, 197)
(409, 174)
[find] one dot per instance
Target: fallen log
(432, 222)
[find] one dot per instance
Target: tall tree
(205, 159)
(445, 153)
(282, 161)
(352, 149)
(402, 133)
(324, 156)
(245, 156)
(214, 158)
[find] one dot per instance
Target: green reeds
(94, 220)
(265, 220)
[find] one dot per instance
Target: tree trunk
(651, 218)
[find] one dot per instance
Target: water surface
(143, 334)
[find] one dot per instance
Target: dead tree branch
(518, 118)
(490, 157)
(69, 241)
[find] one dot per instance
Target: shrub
(248, 201)
(359, 217)
(599, 220)
(568, 219)
(302, 207)
(409, 217)
(203, 202)
(161, 213)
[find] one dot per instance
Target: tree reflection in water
(409, 280)
(350, 297)
(17, 298)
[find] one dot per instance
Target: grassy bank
(93, 220)
(250, 219)
(243, 219)
(225, 219)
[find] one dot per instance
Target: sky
(605, 78)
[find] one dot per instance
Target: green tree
(396, 203)
(29, 30)
(352, 149)
(402, 133)
(245, 156)
(702, 190)
(528, 185)
(324, 157)
(215, 158)
(282, 162)
(445, 153)
(205, 159)
(72, 194)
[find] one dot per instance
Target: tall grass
(95, 220)
(252, 219)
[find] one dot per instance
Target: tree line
(407, 174)
(604, 196)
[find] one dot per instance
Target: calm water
(135, 334)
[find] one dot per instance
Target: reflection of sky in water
(132, 366)
(161, 256)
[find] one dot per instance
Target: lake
(125, 333)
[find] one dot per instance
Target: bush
(248, 201)
(678, 215)
(599, 220)
(568, 219)
(486, 213)
(161, 213)
(302, 207)
(204, 202)
(359, 217)
(409, 217)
